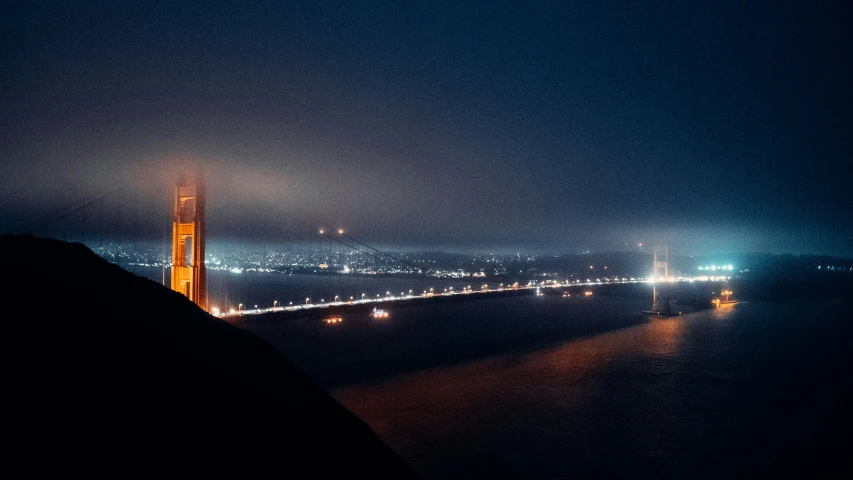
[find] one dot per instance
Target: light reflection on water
(424, 336)
(718, 392)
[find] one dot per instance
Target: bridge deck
(331, 308)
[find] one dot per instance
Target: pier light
(291, 303)
(340, 231)
(256, 307)
(336, 298)
(274, 303)
(322, 231)
(240, 307)
(362, 295)
(307, 300)
(410, 292)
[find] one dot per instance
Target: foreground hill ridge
(101, 360)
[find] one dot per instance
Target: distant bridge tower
(660, 267)
(188, 273)
(660, 271)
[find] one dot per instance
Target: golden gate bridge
(106, 221)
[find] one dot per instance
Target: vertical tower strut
(660, 271)
(188, 273)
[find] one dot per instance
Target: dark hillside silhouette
(109, 372)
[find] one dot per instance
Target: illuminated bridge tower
(660, 266)
(660, 271)
(188, 273)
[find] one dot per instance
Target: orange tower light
(188, 273)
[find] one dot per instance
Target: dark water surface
(416, 337)
(546, 387)
(754, 389)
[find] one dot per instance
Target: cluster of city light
(717, 267)
(307, 260)
(454, 274)
(708, 278)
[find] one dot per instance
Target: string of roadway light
(469, 290)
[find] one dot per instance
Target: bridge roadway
(367, 304)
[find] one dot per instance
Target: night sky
(715, 126)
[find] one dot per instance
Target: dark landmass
(508, 268)
(625, 264)
(107, 372)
